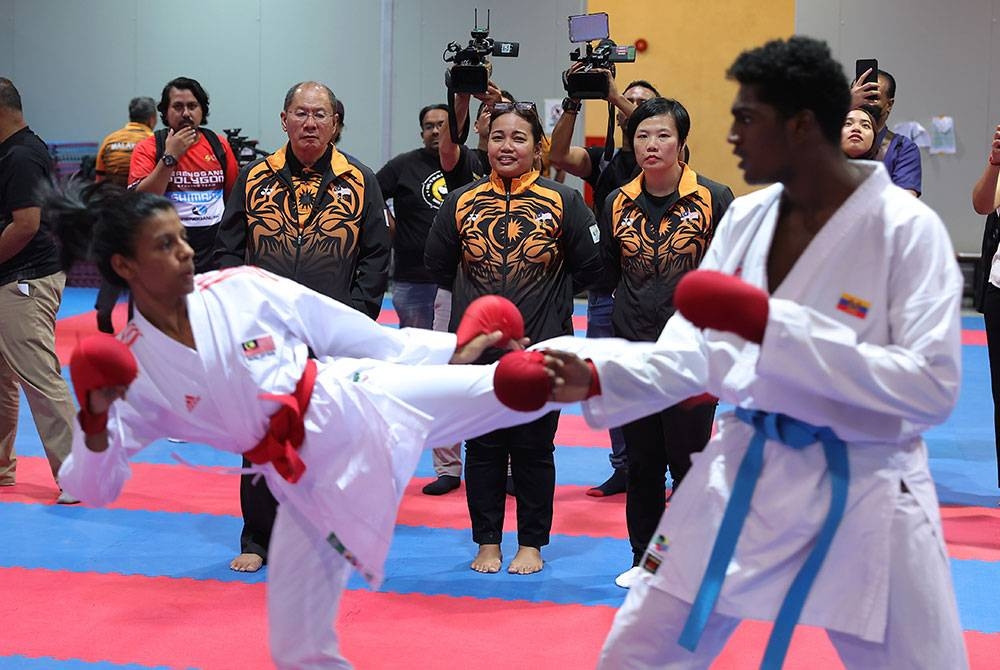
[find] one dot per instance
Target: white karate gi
(368, 419)
(878, 374)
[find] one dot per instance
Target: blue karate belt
(797, 435)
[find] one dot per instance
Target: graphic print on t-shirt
(434, 189)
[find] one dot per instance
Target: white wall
(78, 62)
(945, 56)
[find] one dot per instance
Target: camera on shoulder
(589, 82)
(471, 68)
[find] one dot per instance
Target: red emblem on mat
(191, 401)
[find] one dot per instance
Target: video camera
(244, 149)
(470, 70)
(585, 83)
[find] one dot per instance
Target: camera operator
(604, 177)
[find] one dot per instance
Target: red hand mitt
(489, 313)
(99, 361)
(710, 299)
(521, 381)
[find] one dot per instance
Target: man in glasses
(315, 215)
(189, 164)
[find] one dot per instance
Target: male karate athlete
(827, 311)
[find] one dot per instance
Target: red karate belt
(286, 431)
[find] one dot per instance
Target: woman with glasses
(532, 240)
(654, 230)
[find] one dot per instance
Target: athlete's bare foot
(527, 561)
(246, 563)
(488, 559)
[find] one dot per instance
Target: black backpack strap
(213, 141)
(217, 150)
(161, 143)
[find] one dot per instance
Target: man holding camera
(898, 153)
(604, 177)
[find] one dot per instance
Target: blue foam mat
(429, 561)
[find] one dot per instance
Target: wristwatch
(169, 160)
(571, 105)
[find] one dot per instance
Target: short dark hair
(529, 115)
(339, 109)
(794, 75)
(872, 111)
(295, 87)
(890, 90)
(141, 108)
(658, 107)
(183, 84)
(9, 97)
(644, 84)
(423, 112)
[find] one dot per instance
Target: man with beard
(189, 164)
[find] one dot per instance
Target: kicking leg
(459, 397)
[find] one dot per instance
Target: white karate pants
(922, 631)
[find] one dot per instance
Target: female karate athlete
(223, 358)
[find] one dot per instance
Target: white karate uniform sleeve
(97, 478)
(333, 329)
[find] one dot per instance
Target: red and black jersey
(649, 252)
(324, 226)
(534, 242)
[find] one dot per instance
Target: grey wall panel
(946, 60)
(78, 62)
(335, 42)
(6, 37)
(73, 66)
(217, 43)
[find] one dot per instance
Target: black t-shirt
(472, 164)
(606, 177)
(415, 183)
(24, 164)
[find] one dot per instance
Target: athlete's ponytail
(96, 221)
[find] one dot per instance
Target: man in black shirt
(31, 286)
(604, 176)
(414, 183)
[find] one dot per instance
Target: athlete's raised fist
(487, 314)
(710, 299)
(101, 368)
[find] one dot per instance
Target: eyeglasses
(320, 115)
(521, 106)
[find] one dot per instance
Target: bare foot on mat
(247, 563)
(488, 559)
(527, 561)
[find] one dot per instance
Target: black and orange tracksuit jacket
(534, 242)
(648, 258)
(323, 227)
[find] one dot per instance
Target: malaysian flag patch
(853, 305)
(259, 346)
